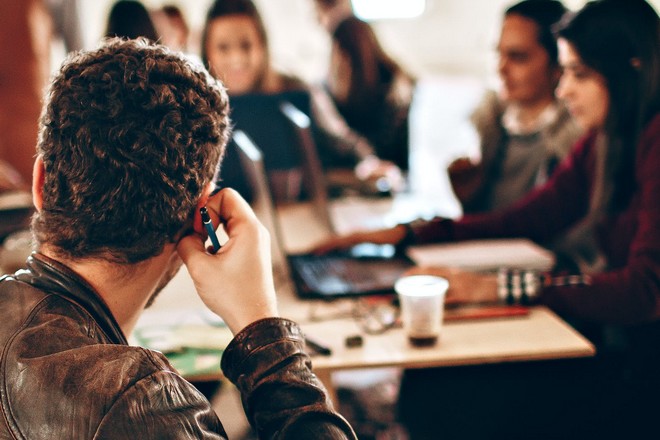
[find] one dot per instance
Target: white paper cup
(422, 300)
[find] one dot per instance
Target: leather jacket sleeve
(161, 406)
(282, 398)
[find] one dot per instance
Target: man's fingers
(189, 246)
(228, 207)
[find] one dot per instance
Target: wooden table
(539, 335)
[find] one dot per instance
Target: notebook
(485, 255)
(363, 270)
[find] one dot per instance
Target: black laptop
(366, 269)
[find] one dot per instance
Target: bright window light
(380, 9)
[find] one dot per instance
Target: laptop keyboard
(327, 274)
(339, 276)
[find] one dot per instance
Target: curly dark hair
(130, 135)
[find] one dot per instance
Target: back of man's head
(129, 136)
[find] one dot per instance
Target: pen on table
(320, 349)
(208, 224)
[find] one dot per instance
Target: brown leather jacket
(67, 372)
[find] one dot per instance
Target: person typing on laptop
(610, 56)
(130, 137)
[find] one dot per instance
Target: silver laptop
(313, 175)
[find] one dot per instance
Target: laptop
(366, 269)
(312, 170)
(261, 118)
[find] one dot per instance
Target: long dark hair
(224, 8)
(621, 41)
(130, 19)
(371, 66)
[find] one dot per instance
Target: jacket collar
(47, 274)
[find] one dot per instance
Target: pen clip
(206, 218)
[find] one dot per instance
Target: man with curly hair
(130, 137)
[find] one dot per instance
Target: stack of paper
(484, 255)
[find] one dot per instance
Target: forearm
(614, 297)
(281, 396)
(627, 296)
(540, 216)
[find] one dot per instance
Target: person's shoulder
(54, 373)
(489, 109)
(51, 344)
(61, 350)
(487, 121)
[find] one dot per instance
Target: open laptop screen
(364, 270)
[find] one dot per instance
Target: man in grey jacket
(130, 137)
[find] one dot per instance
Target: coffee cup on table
(422, 300)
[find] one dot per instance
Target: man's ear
(203, 200)
(38, 183)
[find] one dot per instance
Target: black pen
(320, 349)
(206, 220)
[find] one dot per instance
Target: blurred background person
(28, 30)
(372, 92)
(25, 37)
(130, 19)
(524, 130)
(66, 23)
(235, 49)
(329, 13)
(172, 27)
(610, 55)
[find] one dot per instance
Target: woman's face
(583, 89)
(236, 53)
(527, 74)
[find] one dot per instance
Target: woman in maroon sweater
(610, 84)
(610, 55)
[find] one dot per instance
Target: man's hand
(237, 282)
(372, 169)
(466, 177)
